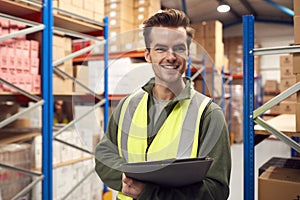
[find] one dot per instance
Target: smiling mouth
(170, 66)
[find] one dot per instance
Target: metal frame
(47, 100)
(35, 27)
(104, 101)
(251, 115)
(47, 111)
(248, 102)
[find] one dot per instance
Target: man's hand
(131, 187)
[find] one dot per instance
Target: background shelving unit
(251, 115)
(41, 16)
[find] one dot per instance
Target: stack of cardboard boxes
(210, 36)
(92, 9)
(125, 20)
(234, 53)
(12, 182)
(271, 89)
(19, 61)
(296, 58)
(287, 79)
(62, 46)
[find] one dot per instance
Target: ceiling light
(223, 8)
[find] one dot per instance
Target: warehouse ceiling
(272, 11)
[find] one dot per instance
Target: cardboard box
(286, 60)
(120, 11)
(213, 29)
(128, 2)
(285, 83)
(82, 75)
(296, 63)
(288, 107)
(286, 71)
(271, 86)
(152, 3)
(62, 86)
(296, 7)
(279, 183)
(297, 29)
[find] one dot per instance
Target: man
(166, 119)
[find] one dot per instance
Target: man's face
(168, 53)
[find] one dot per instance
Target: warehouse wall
(267, 35)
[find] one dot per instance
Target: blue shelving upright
(248, 102)
(251, 115)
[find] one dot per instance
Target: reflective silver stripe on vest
(133, 103)
(188, 128)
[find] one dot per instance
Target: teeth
(170, 66)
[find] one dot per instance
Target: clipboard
(169, 173)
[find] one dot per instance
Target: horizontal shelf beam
(70, 14)
(23, 32)
(76, 34)
(276, 50)
(24, 21)
(32, 2)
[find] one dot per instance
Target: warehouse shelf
(43, 18)
(251, 115)
(90, 57)
(66, 163)
(281, 122)
(11, 135)
(31, 10)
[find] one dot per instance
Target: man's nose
(171, 55)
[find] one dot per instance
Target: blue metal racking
(47, 101)
(47, 111)
(251, 115)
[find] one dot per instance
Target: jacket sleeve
(216, 184)
(107, 158)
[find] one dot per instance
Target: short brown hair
(168, 18)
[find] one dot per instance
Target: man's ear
(147, 55)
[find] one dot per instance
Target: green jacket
(214, 186)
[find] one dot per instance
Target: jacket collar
(184, 94)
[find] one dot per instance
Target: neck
(168, 92)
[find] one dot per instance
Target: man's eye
(160, 49)
(180, 49)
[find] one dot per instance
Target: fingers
(131, 187)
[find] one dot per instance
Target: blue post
(106, 35)
(223, 90)
(204, 75)
(213, 81)
(183, 2)
(47, 110)
(248, 90)
(106, 105)
(188, 72)
(230, 101)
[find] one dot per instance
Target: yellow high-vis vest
(176, 138)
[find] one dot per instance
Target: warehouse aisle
(263, 152)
